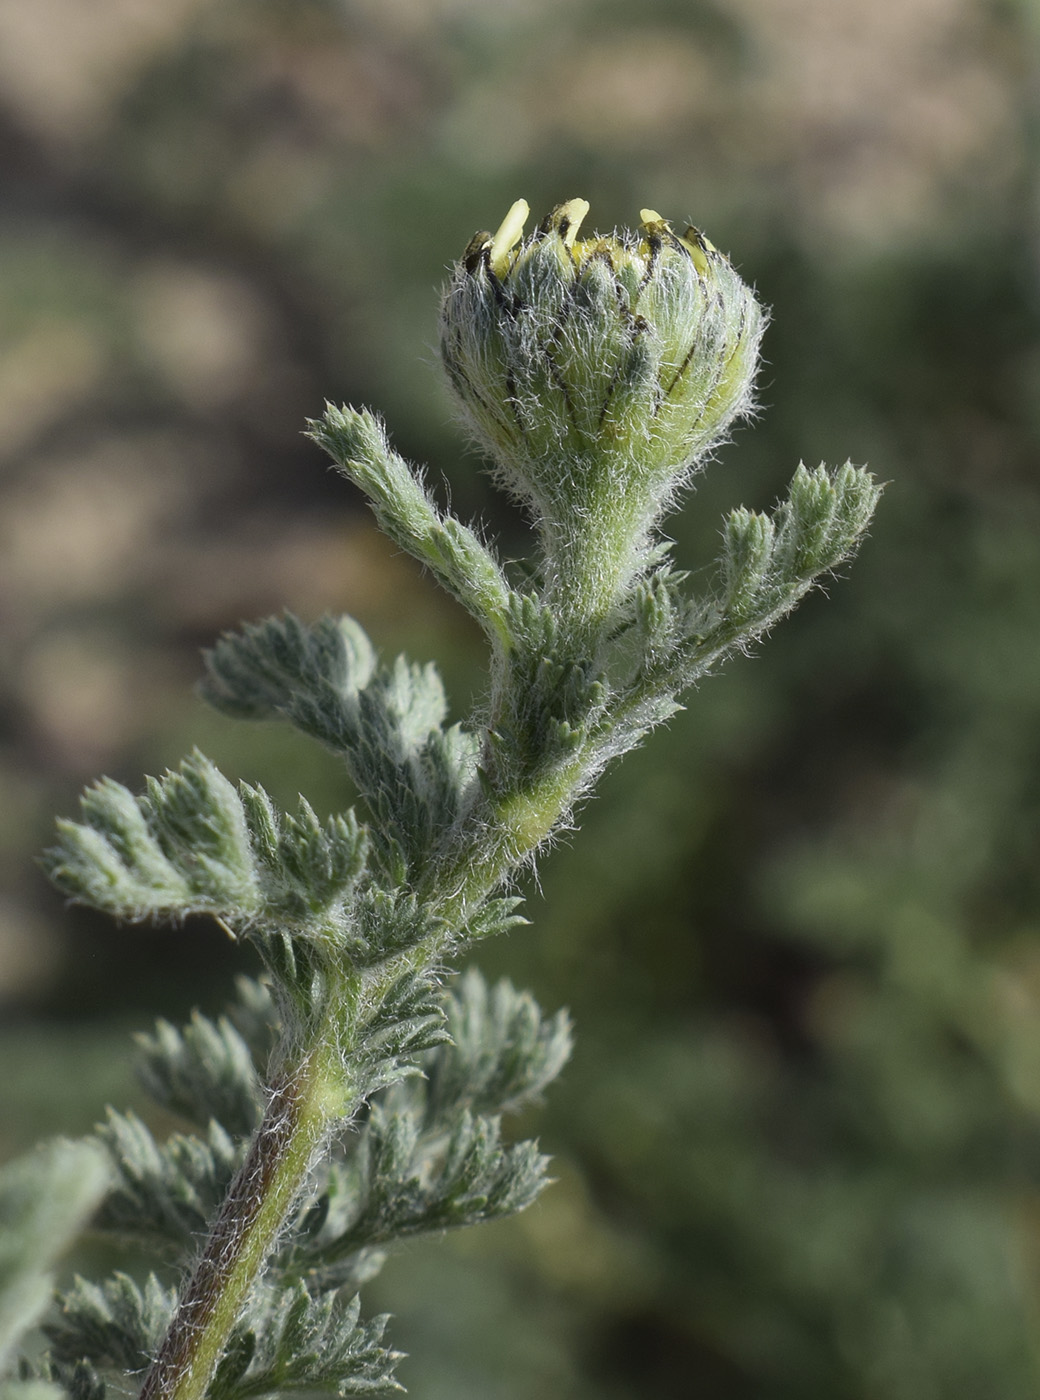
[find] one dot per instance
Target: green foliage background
(798, 1148)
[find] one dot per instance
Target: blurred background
(798, 1149)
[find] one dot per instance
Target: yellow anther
(569, 217)
(510, 232)
(698, 247)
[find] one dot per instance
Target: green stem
(508, 832)
(304, 1102)
(593, 554)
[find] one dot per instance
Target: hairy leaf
(114, 1324)
(203, 1071)
(289, 1341)
(386, 722)
(166, 1194)
(193, 843)
(45, 1199)
(503, 1052)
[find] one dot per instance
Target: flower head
(597, 371)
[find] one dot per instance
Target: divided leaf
(388, 922)
(254, 673)
(453, 553)
(45, 1199)
(769, 562)
(429, 1156)
(552, 695)
(408, 1020)
(503, 1052)
(166, 1194)
(387, 723)
(113, 1325)
(404, 1181)
(290, 1341)
(202, 1071)
(192, 843)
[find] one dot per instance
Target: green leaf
(168, 1193)
(746, 561)
(45, 1199)
(415, 774)
(502, 1053)
(493, 917)
(387, 922)
(408, 1183)
(429, 1156)
(409, 1019)
(549, 697)
(203, 1071)
(288, 1341)
(453, 552)
(307, 867)
(254, 673)
(112, 1325)
(387, 723)
(192, 843)
(768, 564)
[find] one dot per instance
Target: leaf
(168, 1193)
(769, 563)
(453, 552)
(552, 693)
(289, 1341)
(113, 1325)
(254, 673)
(429, 1157)
(502, 1053)
(386, 722)
(387, 922)
(192, 843)
(45, 1199)
(203, 1071)
(767, 566)
(409, 1019)
(409, 1183)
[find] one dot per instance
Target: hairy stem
(507, 832)
(303, 1104)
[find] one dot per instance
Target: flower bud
(596, 373)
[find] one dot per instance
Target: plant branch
(300, 1114)
(310, 1098)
